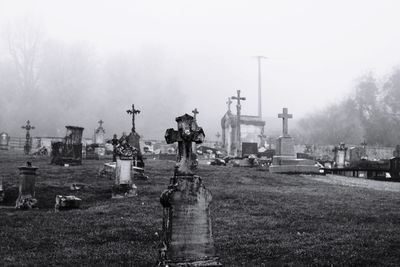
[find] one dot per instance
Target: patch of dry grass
(258, 219)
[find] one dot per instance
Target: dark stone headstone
(27, 178)
(249, 149)
(67, 202)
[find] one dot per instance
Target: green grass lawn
(258, 219)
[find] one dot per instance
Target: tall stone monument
(238, 132)
(285, 160)
(98, 140)
(340, 155)
(187, 233)
(27, 179)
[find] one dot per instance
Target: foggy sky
(316, 50)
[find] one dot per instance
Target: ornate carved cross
(133, 111)
(187, 133)
(285, 116)
(28, 127)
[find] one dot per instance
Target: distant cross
(364, 144)
(195, 112)
(28, 127)
(285, 116)
(101, 123)
(229, 102)
(133, 111)
(238, 107)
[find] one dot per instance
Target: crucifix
(186, 134)
(28, 127)
(133, 111)
(285, 116)
(101, 123)
(229, 102)
(238, 108)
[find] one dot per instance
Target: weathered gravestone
(70, 150)
(123, 183)
(27, 178)
(285, 160)
(187, 234)
(4, 140)
(2, 194)
(356, 154)
(67, 202)
(98, 140)
(340, 155)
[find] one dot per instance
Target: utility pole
(259, 85)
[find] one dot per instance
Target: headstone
(99, 134)
(123, 183)
(67, 202)
(356, 154)
(340, 155)
(249, 149)
(134, 139)
(187, 234)
(2, 194)
(285, 160)
(4, 139)
(27, 178)
(70, 150)
(396, 152)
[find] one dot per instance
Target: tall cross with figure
(238, 108)
(133, 111)
(28, 145)
(101, 123)
(229, 102)
(285, 116)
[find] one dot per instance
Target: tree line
(371, 113)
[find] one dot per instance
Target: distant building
(251, 127)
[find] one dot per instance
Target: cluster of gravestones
(187, 233)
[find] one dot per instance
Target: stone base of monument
(67, 202)
(124, 190)
(187, 232)
(25, 202)
(289, 164)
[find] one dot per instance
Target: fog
(94, 59)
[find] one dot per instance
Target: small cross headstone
(133, 112)
(28, 141)
(285, 116)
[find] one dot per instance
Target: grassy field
(259, 219)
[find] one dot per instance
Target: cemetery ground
(258, 219)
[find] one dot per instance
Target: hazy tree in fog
(24, 39)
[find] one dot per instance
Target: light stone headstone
(123, 183)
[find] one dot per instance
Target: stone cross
(238, 133)
(285, 116)
(229, 102)
(195, 112)
(101, 123)
(28, 127)
(133, 111)
(187, 133)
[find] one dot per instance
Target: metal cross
(133, 111)
(195, 112)
(285, 116)
(101, 123)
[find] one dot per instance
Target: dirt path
(359, 182)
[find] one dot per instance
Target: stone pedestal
(285, 146)
(187, 231)
(286, 162)
(26, 197)
(123, 187)
(67, 202)
(340, 155)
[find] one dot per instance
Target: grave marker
(187, 234)
(28, 140)
(27, 178)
